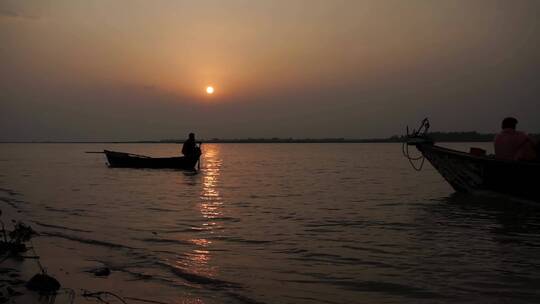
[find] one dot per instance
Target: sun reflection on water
(211, 201)
(198, 259)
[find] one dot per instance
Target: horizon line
(454, 136)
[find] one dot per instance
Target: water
(272, 223)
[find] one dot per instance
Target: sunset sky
(137, 70)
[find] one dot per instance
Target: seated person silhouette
(189, 149)
(513, 145)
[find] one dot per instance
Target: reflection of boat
(468, 172)
(128, 160)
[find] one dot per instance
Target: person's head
(192, 136)
(509, 123)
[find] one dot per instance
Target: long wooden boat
(476, 172)
(129, 160)
(467, 172)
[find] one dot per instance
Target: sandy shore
(77, 274)
(16, 271)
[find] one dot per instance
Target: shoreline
(17, 270)
(59, 255)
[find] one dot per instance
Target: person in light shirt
(511, 144)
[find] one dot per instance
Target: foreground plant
(13, 242)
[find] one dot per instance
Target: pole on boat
(200, 154)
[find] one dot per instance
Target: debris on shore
(100, 271)
(13, 244)
(44, 284)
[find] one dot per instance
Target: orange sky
(355, 54)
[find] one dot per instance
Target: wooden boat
(129, 160)
(469, 172)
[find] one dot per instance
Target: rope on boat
(417, 162)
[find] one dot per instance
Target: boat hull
(127, 160)
(470, 173)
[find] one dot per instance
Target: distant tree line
(470, 136)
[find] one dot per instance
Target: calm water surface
(273, 223)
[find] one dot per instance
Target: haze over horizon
(138, 70)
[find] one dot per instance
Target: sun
(209, 90)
